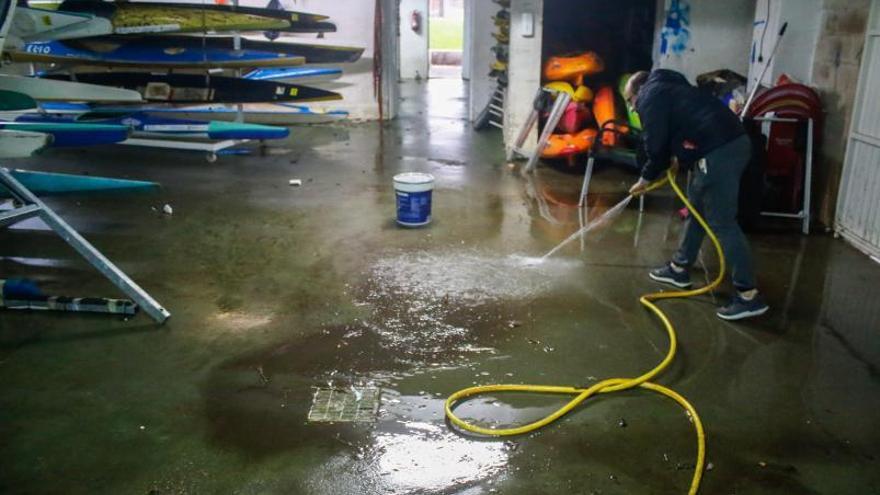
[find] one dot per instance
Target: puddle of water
(426, 457)
(414, 456)
(466, 277)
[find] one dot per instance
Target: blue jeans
(714, 192)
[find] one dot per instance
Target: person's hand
(639, 187)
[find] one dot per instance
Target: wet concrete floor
(277, 290)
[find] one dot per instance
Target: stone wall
(835, 75)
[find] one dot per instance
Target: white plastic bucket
(413, 191)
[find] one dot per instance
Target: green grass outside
(446, 34)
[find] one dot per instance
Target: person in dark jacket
(682, 121)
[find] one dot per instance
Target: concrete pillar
(524, 68)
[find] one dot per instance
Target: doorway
(446, 38)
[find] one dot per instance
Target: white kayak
(52, 90)
(21, 144)
(31, 25)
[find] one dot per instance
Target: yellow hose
(612, 384)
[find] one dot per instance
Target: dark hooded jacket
(674, 113)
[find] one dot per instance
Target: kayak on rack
(149, 53)
(67, 134)
(144, 125)
(30, 24)
(52, 184)
(295, 74)
(193, 88)
(272, 114)
(58, 90)
(313, 52)
(146, 17)
(257, 113)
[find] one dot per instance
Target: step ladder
(31, 206)
(496, 106)
(493, 113)
(562, 99)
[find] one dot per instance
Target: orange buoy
(605, 110)
(573, 69)
(566, 145)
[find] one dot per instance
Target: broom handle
(763, 71)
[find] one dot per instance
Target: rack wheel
(211, 157)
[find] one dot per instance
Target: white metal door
(859, 201)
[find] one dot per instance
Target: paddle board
(192, 88)
(67, 134)
(31, 24)
(50, 184)
(295, 74)
(54, 90)
(21, 144)
(146, 17)
(148, 52)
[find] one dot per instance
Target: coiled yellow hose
(613, 384)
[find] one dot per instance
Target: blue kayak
(149, 52)
(67, 133)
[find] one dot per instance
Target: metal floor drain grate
(354, 405)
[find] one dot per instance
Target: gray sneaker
(740, 308)
(667, 275)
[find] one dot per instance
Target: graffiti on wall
(675, 36)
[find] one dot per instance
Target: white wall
(524, 69)
(354, 21)
(797, 48)
(479, 23)
(414, 62)
(718, 37)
